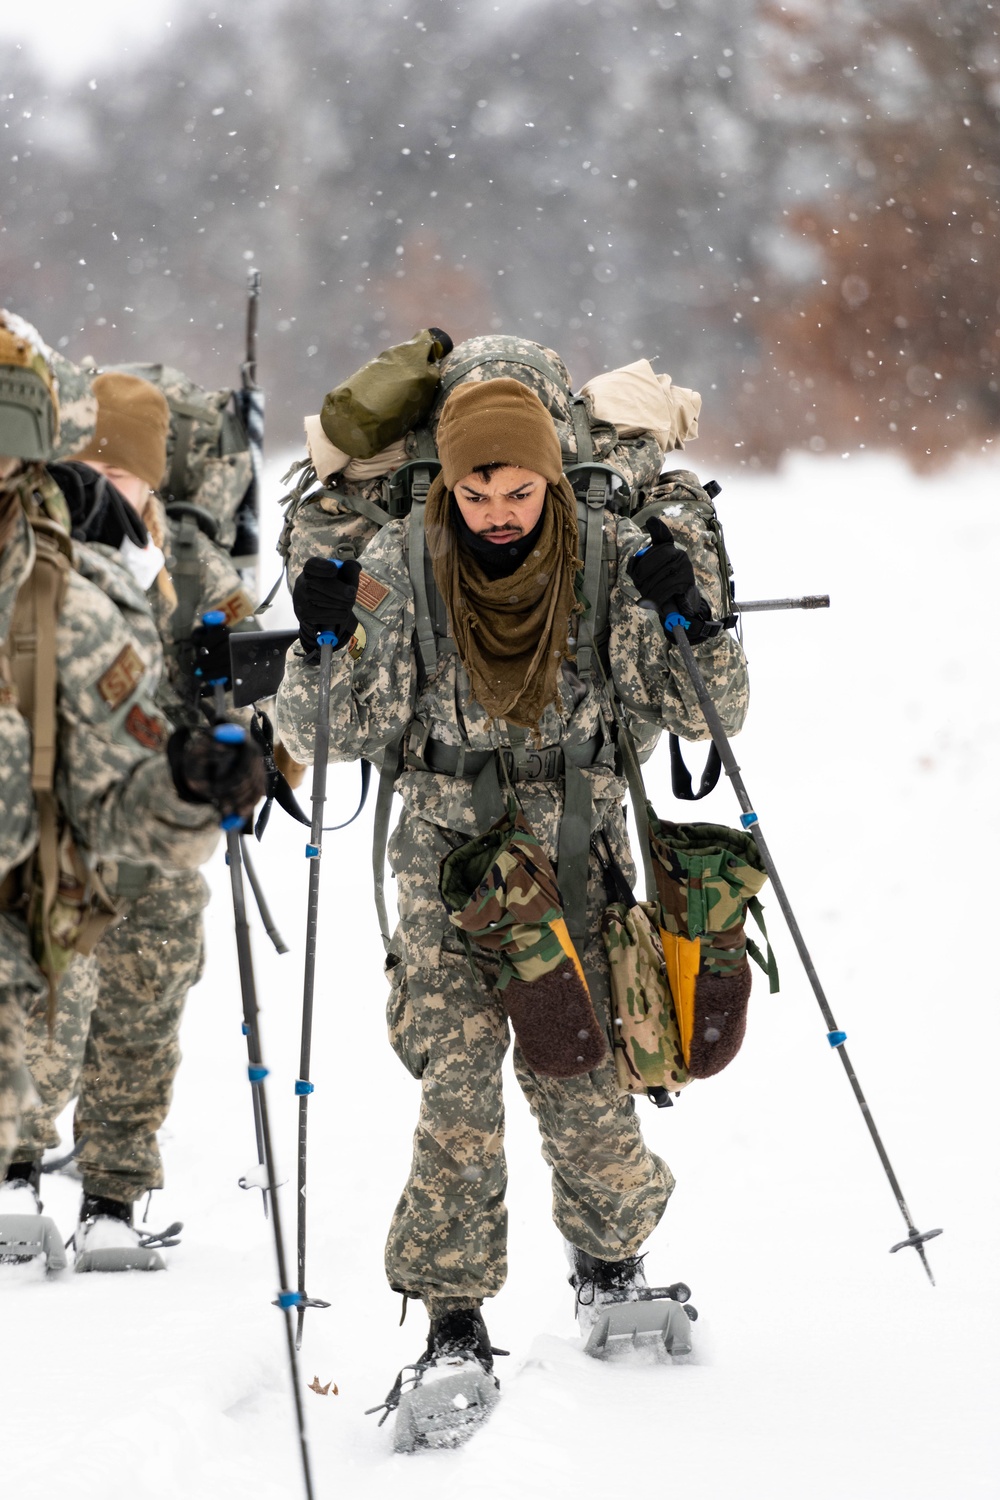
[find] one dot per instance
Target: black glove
(323, 599)
(212, 765)
(664, 576)
(210, 652)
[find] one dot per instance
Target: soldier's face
(135, 490)
(504, 506)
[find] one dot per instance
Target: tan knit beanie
(496, 422)
(133, 419)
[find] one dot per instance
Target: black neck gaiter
(496, 561)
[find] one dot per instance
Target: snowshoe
(451, 1389)
(26, 1233)
(618, 1311)
(106, 1240)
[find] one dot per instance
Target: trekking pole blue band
(312, 851)
(303, 1086)
(748, 819)
(256, 1072)
(289, 1299)
(836, 1038)
(676, 618)
(326, 638)
(214, 617)
(245, 1029)
(228, 823)
(229, 734)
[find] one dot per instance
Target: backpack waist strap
(536, 765)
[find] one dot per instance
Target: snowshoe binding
(26, 1234)
(106, 1240)
(617, 1311)
(451, 1389)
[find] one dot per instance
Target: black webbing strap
(581, 426)
(680, 776)
(423, 624)
(184, 422)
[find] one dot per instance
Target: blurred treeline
(793, 208)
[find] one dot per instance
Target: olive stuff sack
(209, 464)
(680, 979)
(500, 891)
(388, 397)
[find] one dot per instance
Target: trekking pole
(303, 1087)
(216, 617)
(280, 945)
(257, 1073)
(677, 626)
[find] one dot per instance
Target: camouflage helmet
(29, 404)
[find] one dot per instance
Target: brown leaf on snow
(323, 1390)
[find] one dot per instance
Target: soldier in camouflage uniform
(115, 794)
(463, 725)
(117, 1037)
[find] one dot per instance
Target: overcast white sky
(75, 36)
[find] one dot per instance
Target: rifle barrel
(806, 601)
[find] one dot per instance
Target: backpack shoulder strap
(33, 648)
(590, 519)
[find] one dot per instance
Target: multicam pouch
(500, 890)
(646, 1035)
(707, 876)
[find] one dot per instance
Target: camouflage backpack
(209, 464)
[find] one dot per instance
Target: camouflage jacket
(112, 781)
(377, 697)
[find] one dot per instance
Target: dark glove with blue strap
(664, 576)
(222, 766)
(323, 599)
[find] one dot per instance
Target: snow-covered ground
(827, 1368)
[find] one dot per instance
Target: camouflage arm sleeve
(18, 823)
(648, 670)
(373, 680)
(113, 779)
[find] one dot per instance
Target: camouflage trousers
(116, 1042)
(20, 984)
(447, 1240)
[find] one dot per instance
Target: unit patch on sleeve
(356, 645)
(371, 593)
(236, 607)
(122, 677)
(149, 729)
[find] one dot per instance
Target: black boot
(93, 1207)
(598, 1282)
(24, 1178)
(458, 1335)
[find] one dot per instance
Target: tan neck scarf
(511, 633)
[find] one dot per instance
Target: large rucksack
(606, 471)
